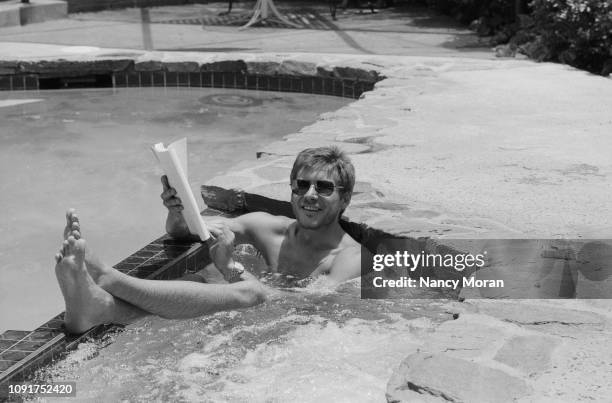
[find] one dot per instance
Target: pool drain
(230, 100)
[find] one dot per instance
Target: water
(89, 149)
(309, 345)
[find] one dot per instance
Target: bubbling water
(313, 345)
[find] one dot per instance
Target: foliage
(490, 15)
(575, 32)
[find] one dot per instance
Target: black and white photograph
(306, 201)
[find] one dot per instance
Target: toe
(79, 249)
(71, 243)
(58, 257)
(75, 230)
(69, 214)
(64, 250)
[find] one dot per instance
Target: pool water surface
(311, 345)
(90, 149)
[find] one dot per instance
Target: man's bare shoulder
(348, 242)
(261, 221)
(347, 262)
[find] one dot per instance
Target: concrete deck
(400, 31)
(454, 143)
(15, 13)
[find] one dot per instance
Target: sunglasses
(324, 188)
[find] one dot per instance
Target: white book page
(173, 160)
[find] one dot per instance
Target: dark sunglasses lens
(301, 187)
(325, 188)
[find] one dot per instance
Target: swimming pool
(89, 149)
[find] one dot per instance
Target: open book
(173, 160)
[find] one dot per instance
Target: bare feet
(87, 304)
(95, 266)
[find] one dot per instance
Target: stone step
(14, 12)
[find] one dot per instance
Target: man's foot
(95, 266)
(87, 305)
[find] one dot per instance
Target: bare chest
(297, 260)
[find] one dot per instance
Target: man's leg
(210, 274)
(169, 299)
(178, 299)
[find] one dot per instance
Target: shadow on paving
(397, 19)
(401, 19)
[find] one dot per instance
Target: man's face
(314, 210)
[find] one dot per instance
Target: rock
(322, 72)
(273, 173)
(295, 68)
(8, 67)
(355, 74)
(504, 51)
(263, 68)
(223, 199)
(60, 68)
(280, 192)
(470, 337)
(150, 65)
(529, 354)
(226, 66)
(536, 50)
(438, 377)
(182, 67)
(525, 314)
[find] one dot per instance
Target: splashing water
(314, 346)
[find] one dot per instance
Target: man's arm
(258, 229)
(178, 299)
(253, 228)
(176, 226)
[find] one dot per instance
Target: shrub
(575, 32)
(489, 15)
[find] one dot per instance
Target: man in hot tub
(311, 245)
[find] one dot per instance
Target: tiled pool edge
(302, 77)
